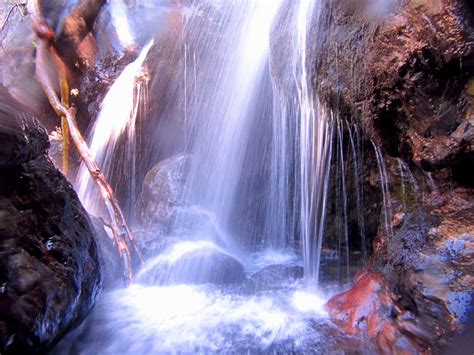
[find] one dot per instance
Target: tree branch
(75, 28)
(122, 235)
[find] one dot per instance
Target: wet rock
(161, 193)
(195, 263)
(407, 84)
(50, 274)
(429, 263)
(370, 309)
(272, 277)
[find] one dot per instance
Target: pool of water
(210, 318)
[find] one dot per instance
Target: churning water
(244, 290)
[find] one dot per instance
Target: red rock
(370, 309)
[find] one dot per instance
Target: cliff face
(403, 73)
(406, 75)
(50, 275)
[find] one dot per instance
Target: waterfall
(221, 140)
(225, 275)
(118, 114)
(228, 107)
(315, 144)
(387, 206)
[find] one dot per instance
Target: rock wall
(50, 275)
(404, 73)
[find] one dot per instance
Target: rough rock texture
(404, 74)
(370, 308)
(50, 272)
(408, 80)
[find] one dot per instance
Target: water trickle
(345, 246)
(407, 179)
(387, 206)
(357, 159)
(431, 181)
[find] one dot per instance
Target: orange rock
(369, 309)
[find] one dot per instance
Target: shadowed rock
(49, 267)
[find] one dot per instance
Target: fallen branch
(121, 233)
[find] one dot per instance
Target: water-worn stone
(49, 266)
(193, 262)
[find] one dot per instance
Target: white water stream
(227, 106)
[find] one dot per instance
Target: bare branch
(122, 235)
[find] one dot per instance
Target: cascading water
(387, 206)
(357, 162)
(236, 128)
(315, 144)
(223, 125)
(118, 115)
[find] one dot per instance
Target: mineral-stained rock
(403, 74)
(50, 272)
(369, 308)
(408, 79)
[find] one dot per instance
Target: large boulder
(50, 275)
(193, 262)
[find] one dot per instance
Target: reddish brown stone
(370, 309)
